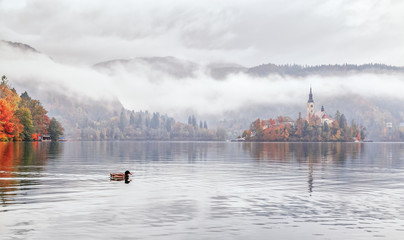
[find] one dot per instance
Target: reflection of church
(320, 115)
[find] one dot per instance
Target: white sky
(248, 32)
(76, 34)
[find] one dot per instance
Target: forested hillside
(88, 100)
(23, 118)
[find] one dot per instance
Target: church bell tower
(310, 107)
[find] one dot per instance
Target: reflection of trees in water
(6, 171)
(311, 154)
(304, 152)
(145, 151)
(23, 159)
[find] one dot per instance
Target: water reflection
(20, 164)
(202, 190)
(305, 152)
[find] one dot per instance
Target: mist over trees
(246, 93)
(23, 118)
(143, 125)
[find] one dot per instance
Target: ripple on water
(206, 191)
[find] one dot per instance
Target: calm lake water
(202, 190)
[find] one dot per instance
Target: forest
(284, 129)
(142, 125)
(23, 118)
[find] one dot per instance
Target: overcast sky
(76, 34)
(249, 32)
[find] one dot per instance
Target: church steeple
(310, 96)
(310, 107)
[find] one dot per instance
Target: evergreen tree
(342, 121)
(139, 121)
(169, 122)
(337, 116)
(4, 81)
(55, 130)
(155, 121)
(24, 115)
(25, 97)
(123, 121)
(193, 119)
(147, 122)
(132, 119)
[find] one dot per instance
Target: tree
(337, 116)
(24, 115)
(123, 121)
(25, 97)
(6, 125)
(55, 129)
(169, 122)
(4, 81)
(132, 119)
(342, 121)
(193, 119)
(40, 120)
(155, 121)
(139, 121)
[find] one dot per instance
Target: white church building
(314, 116)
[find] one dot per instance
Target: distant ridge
(336, 69)
(182, 68)
(21, 46)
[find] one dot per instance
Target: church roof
(310, 97)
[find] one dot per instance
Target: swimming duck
(120, 176)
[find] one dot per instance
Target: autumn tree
(10, 124)
(6, 125)
(40, 120)
(24, 115)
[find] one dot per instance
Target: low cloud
(145, 88)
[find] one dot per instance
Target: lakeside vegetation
(23, 118)
(285, 129)
(142, 125)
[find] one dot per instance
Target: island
(315, 127)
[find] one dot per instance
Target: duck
(120, 176)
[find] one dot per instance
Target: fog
(145, 87)
(72, 36)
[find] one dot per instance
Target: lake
(202, 190)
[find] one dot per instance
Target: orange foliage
(35, 136)
(10, 96)
(6, 120)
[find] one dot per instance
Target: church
(321, 115)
